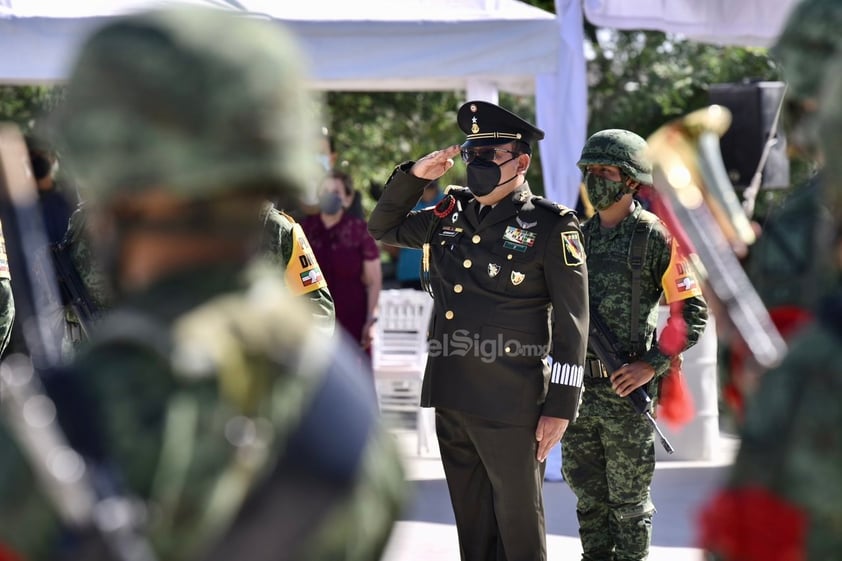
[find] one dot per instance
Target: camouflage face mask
(603, 192)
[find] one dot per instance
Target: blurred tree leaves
(26, 105)
(636, 80)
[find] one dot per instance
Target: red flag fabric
(675, 402)
(7, 554)
(752, 524)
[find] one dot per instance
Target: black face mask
(484, 176)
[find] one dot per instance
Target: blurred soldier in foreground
(788, 264)
(783, 499)
(206, 393)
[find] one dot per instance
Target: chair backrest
(400, 338)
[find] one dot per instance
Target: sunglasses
(487, 154)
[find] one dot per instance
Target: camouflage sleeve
(359, 528)
(7, 313)
(286, 245)
(688, 312)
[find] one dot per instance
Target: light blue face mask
(324, 161)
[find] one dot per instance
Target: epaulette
(551, 206)
(460, 192)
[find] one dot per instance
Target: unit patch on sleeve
(679, 281)
(303, 274)
(574, 253)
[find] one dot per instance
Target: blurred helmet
(199, 101)
(830, 137)
(808, 42)
(621, 148)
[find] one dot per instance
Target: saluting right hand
(435, 164)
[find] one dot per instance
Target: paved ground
(427, 532)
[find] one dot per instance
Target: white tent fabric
(562, 108)
(480, 46)
(724, 22)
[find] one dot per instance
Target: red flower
(752, 524)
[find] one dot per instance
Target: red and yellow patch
(679, 281)
(303, 274)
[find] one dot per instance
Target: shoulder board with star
(461, 193)
(551, 206)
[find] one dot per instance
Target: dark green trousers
(495, 486)
(608, 462)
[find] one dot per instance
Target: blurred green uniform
(783, 497)
(282, 242)
(207, 393)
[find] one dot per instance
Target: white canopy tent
(723, 22)
(479, 46)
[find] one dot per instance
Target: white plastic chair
(399, 355)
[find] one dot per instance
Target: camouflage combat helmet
(189, 98)
(621, 148)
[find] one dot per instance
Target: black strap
(637, 256)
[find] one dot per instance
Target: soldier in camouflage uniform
(783, 497)
(207, 392)
(609, 451)
(7, 301)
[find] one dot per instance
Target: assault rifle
(72, 286)
(75, 491)
(603, 343)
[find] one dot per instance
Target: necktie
(483, 212)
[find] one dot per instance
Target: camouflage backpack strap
(252, 398)
(637, 257)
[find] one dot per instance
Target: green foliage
(639, 80)
(374, 131)
(26, 105)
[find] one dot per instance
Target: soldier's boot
(597, 543)
(632, 531)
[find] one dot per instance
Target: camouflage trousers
(608, 463)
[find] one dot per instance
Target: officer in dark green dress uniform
(509, 328)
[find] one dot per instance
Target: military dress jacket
(509, 327)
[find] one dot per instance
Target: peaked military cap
(486, 124)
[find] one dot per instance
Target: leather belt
(595, 369)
